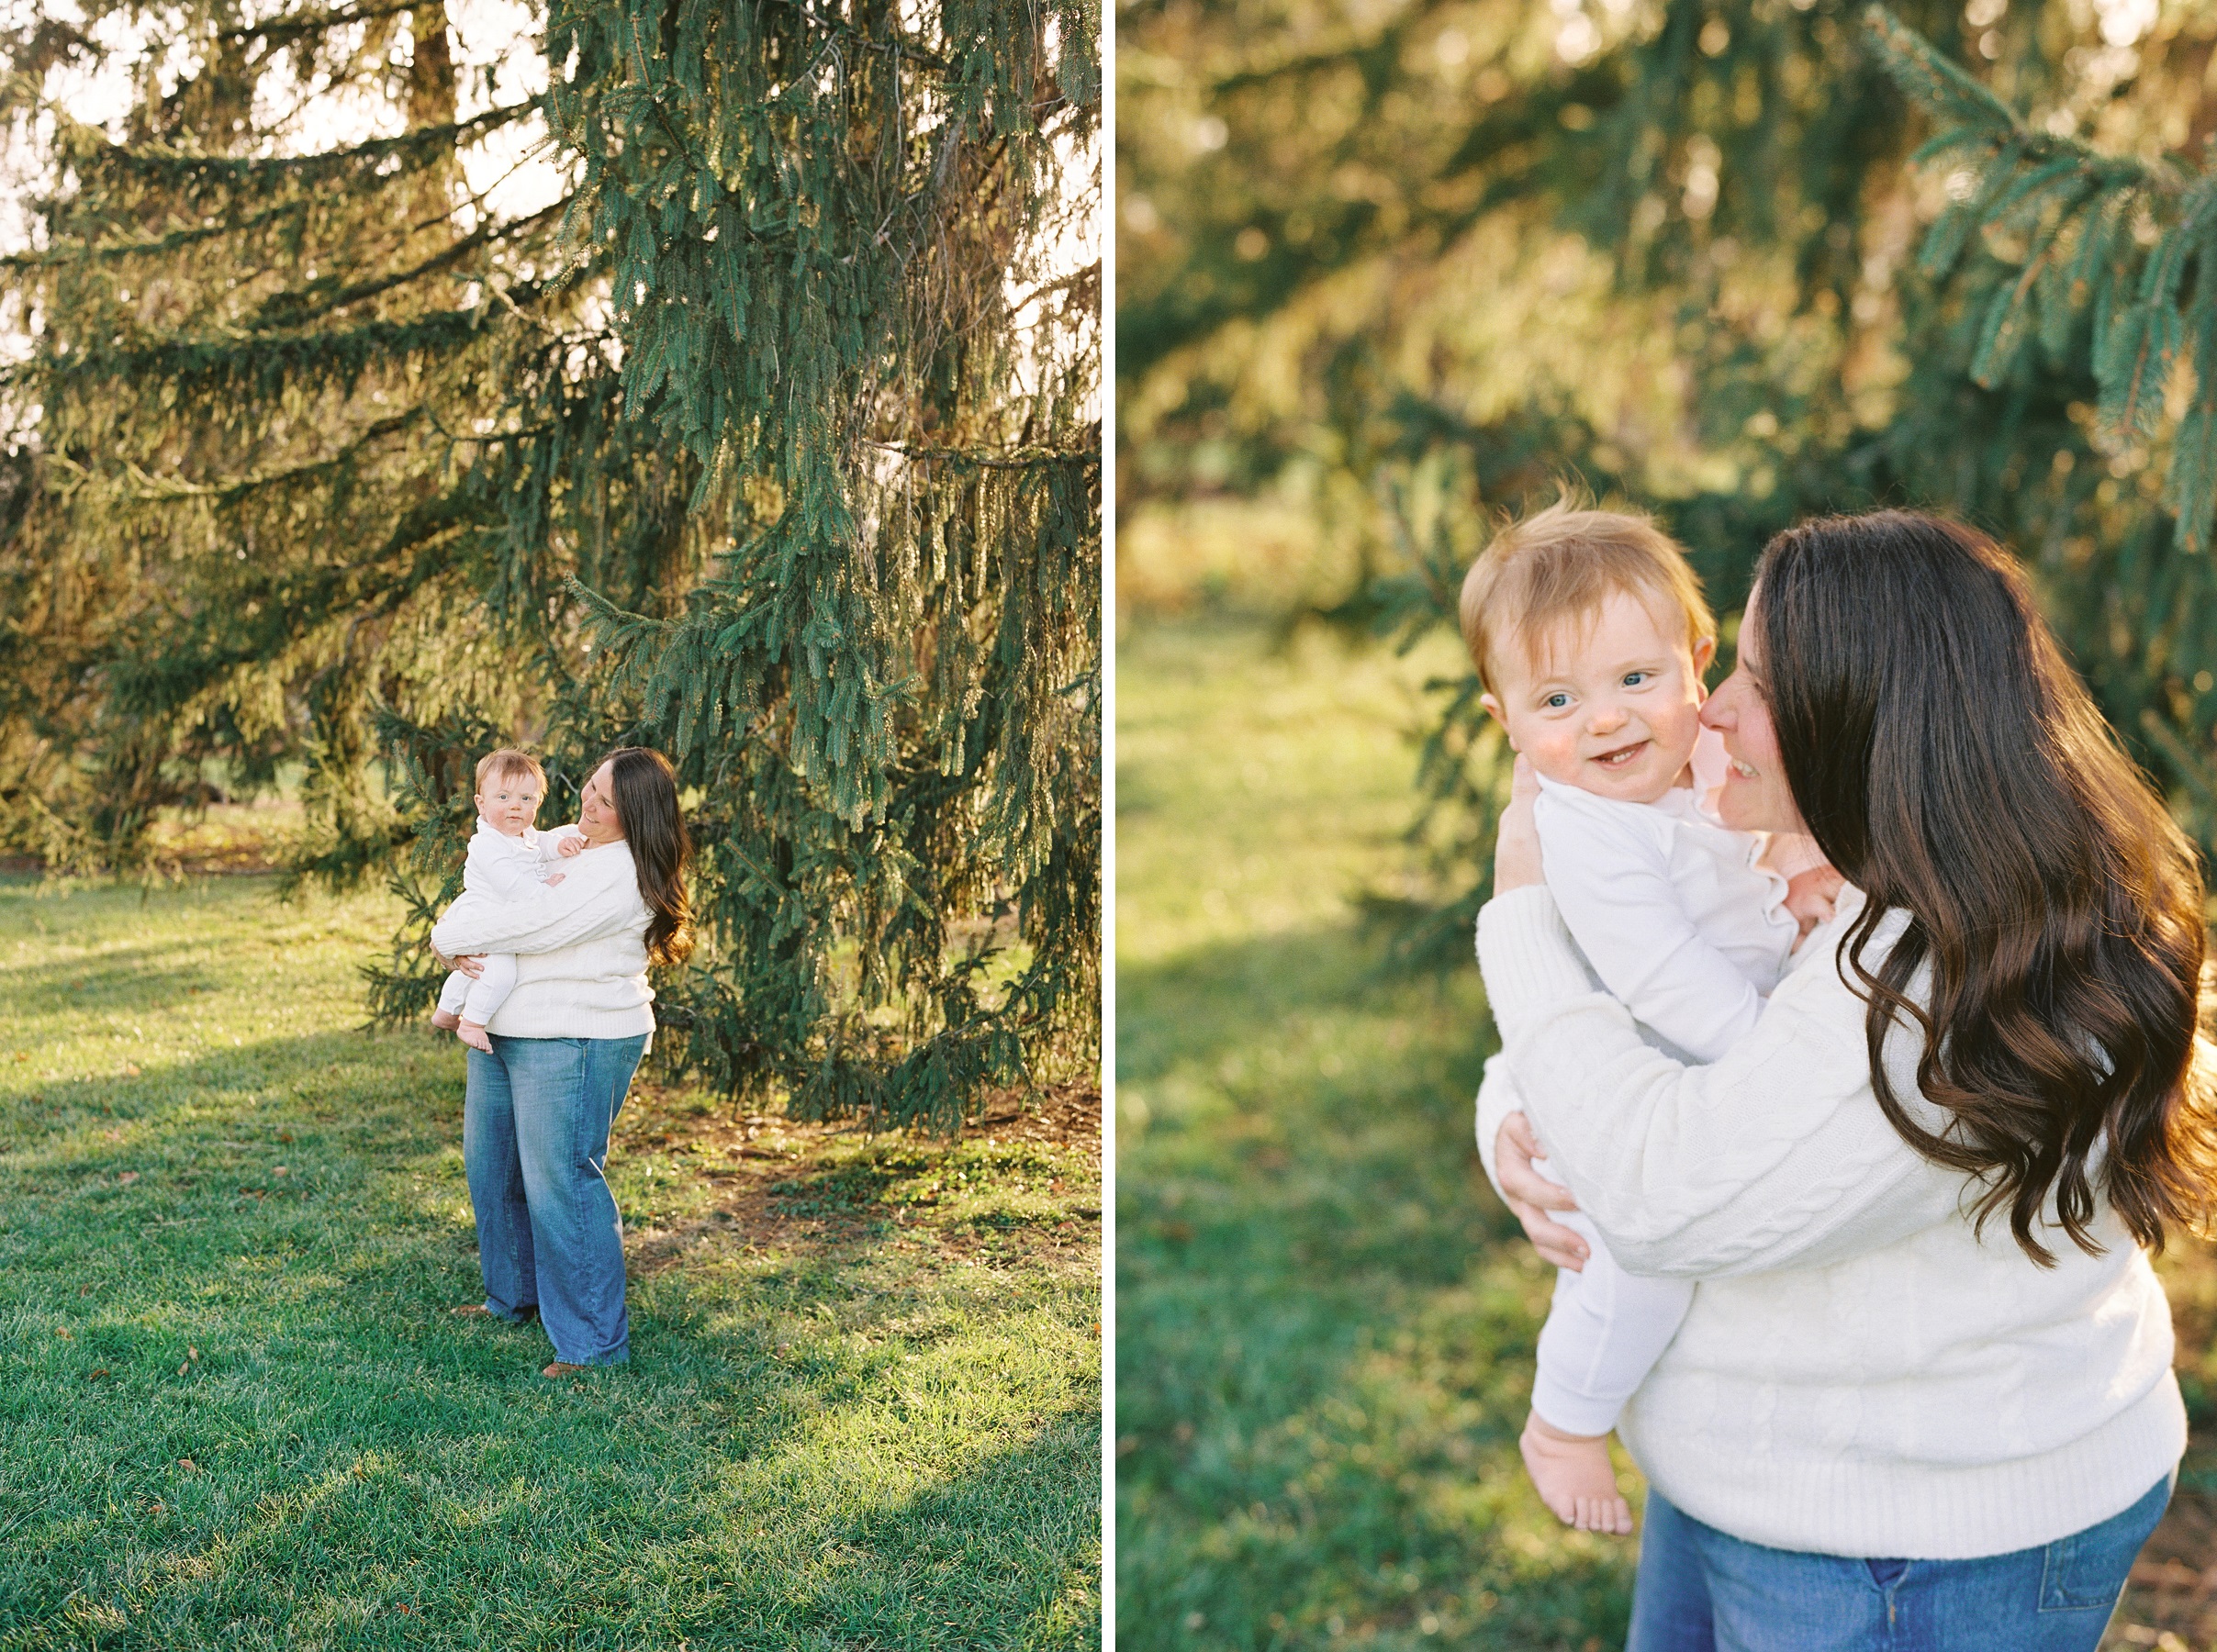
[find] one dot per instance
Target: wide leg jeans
(535, 1124)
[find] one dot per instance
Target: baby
(506, 858)
(1590, 636)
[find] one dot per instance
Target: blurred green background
(1386, 272)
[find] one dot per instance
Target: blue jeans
(535, 1144)
(1700, 1590)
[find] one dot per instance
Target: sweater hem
(1862, 1509)
(571, 1022)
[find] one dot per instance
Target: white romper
(1691, 934)
(503, 868)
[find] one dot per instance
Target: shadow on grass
(234, 1409)
(1325, 1322)
(120, 978)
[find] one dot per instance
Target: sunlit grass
(234, 1410)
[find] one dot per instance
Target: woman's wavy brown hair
(645, 788)
(1949, 762)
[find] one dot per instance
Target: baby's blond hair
(509, 761)
(1560, 564)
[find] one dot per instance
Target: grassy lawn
(1324, 1317)
(863, 1407)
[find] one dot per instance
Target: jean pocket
(2086, 1572)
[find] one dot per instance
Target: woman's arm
(1777, 1153)
(598, 898)
(1506, 1150)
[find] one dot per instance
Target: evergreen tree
(770, 441)
(1686, 252)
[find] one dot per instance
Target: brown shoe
(559, 1370)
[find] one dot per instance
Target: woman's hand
(1517, 844)
(1530, 1195)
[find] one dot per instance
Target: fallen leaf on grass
(95, 1376)
(190, 1352)
(130, 1069)
(66, 1334)
(187, 1465)
(185, 1368)
(279, 1170)
(128, 1177)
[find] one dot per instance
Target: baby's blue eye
(1633, 679)
(1555, 702)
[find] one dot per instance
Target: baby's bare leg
(1575, 1477)
(453, 997)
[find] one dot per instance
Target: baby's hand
(552, 878)
(1811, 894)
(572, 845)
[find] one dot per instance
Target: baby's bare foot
(474, 1036)
(1575, 1478)
(446, 1021)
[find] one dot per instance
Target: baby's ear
(1704, 650)
(1492, 709)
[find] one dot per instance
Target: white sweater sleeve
(1497, 1099)
(1612, 882)
(598, 898)
(1775, 1154)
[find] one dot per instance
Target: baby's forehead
(1637, 621)
(517, 780)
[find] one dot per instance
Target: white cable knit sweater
(581, 946)
(1859, 1375)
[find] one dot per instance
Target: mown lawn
(863, 1408)
(1324, 1317)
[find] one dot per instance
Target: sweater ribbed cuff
(1528, 957)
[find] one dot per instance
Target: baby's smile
(1623, 756)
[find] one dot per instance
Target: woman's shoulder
(608, 859)
(1826, 972)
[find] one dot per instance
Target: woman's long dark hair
(1951, 765)
(645, 788)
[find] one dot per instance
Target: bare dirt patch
(1023, 1184)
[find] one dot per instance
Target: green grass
(1324, 1317)
(862, 1411)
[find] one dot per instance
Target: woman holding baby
(1921, 1399)
(564, 1044)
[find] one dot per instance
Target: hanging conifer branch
(738, 447)
(2061, 215)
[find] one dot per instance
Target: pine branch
(1015, 459)
(1941, 87)
(2061, 186)
(169, 166)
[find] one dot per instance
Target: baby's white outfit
(1691, 935)
(503, 867)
